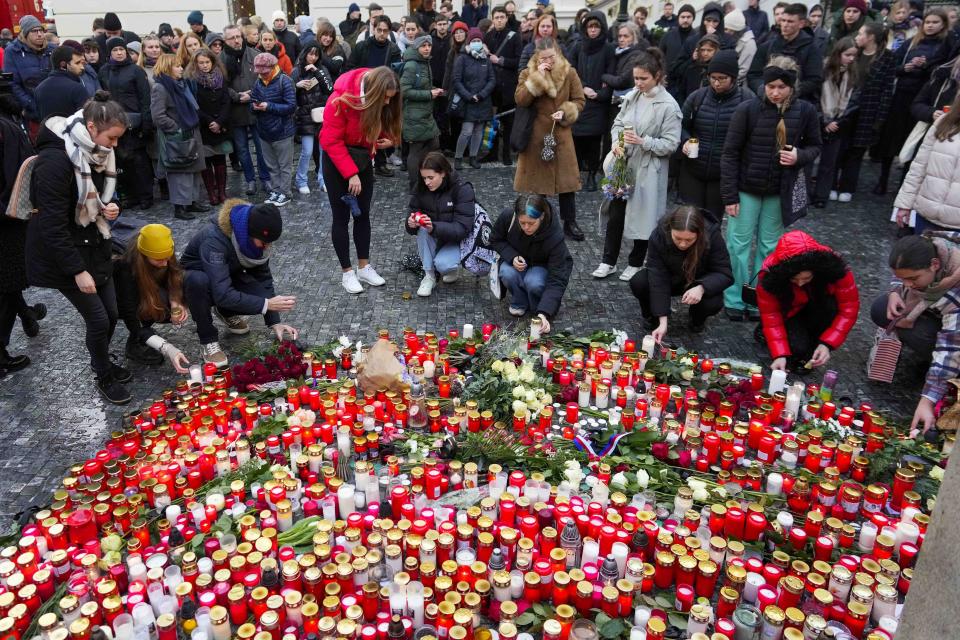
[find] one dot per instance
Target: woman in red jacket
(808, 302)
(362, 115)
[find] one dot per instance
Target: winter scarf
(479, 55)
(184, 103)
(834, 99)
(211, 80)
(85, 154)
(947, 278)
(249, 254)
(231, 59)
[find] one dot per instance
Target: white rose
(512, 377)
(519, 391)
(643, 478)
(620, 479)
(293, 421)
(497, 366)
(345, 341)
(509, 367)
(531, 396)
(534, 407)
(519, 405)
(527, 375)
(937, 473)
(546, 399)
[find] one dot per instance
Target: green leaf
(612, 629)
(538, 609)
(526, 618)
(677, 620)
(649, 601)
(602, 619)
(663, 602)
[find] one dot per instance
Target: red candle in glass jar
(755, 526)
(684, 598)
(734, 523)
(798, 538)
(573, 412)
(823, 548)
(756, 381)
(766, 449)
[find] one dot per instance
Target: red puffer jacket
(796, 251)
(341, 125)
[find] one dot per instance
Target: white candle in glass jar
(467, 331)
(429, 369)
(648, 344)
(620, 552)
(345, 500)
(591, 551)
(774, 484)
(751, 586)
(868, 536)
(778, 380)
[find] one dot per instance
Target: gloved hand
(169, 351)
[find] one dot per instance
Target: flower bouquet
(615, 184)
(283, 364)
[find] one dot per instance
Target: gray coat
(656, 119)
(242, 80)
(164, 118)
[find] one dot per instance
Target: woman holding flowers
(647, 131)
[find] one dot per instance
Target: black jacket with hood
(593, 59)
(315, 96)
(804, 51)
(664, 267)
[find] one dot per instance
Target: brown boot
(220, 172)
(210, 184)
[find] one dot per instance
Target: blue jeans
(241, 143)
(526, 287)
(306, 154)
(444, 260)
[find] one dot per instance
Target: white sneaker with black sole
(628, 273)
(304, 190)
(604, 270)
(281, 200)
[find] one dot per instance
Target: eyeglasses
(36, 30)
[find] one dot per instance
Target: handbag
(20, 207)
(177, 150)
(794, 199)
(316, 115)
(522, 128)
(884, 354)
(457, 107)
(549, 151)
(914, 140)
(949, 420)
(748, 292)
(476, 255)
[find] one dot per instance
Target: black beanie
(688, 8)
(164, 30)
(264, 223)
(114, 42)
(725, 62)
(111, 22)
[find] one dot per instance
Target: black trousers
(851, 161)
(568, 206)
(588, 152)
(415, 153)
(702, 194)
(708, 305)
(804, 328)
(99, 313)
(340, 229)
(135, 176)
(197, 291)
(11, 306)
(614, 236)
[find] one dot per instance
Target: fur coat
(560, 90)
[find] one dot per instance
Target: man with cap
(227, 273)
(113, 29)
(273, 100)
(195, 20)
(149, 270)
(706, 115)
(353, 23)
(62, 93)
(28, 58)
(168, 39)
(793, 41)
(286, 37)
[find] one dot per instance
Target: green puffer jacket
(416, 82)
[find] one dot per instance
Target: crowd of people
(740, 118)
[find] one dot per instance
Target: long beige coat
(559, 91)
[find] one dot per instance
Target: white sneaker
(323, 188)
(628, 273)
(845, 197)
(304, 190)
(395, 160)
(426, 285)
(213, 354)
(833, 195)
(370, 276)
(517, 311)
(453, 276)
(350, 282)
(603, 270)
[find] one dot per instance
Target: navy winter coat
(474, 77)
(61, 94)
(277, 122)
(750, 160)
(211, 250)
(706, 116)
(29, 69)
(451, 209)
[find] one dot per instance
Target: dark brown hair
(687, 218)
(104, 112)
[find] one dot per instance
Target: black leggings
(568, 206)
(339, 230)
(614, 236)
(99, 312)
(588, 152)
(11, 306)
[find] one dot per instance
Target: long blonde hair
(376, 116)
(183, 56)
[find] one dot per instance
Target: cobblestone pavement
(52, 416)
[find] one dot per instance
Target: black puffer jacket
(545, 248)
(594, 58)
(451, 208)
(622, 77)
(128, 85)
(706, 116)
(665, 269)
(57, 247)
(750, 160)
(509, 55)
(309, 99)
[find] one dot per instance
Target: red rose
(684, 459)
(660, 450)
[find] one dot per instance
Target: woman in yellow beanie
(149, 283)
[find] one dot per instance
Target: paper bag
(380, 369)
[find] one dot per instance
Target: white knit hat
(279, 15)
(735, 21)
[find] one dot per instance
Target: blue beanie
(195, 17)
(353, 7)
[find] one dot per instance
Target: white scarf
(85, 154)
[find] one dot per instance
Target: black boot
(30, 319)
(198, 207)
(112, 390)
(9, 363)
(139, 352)
(474, 162)
(572, 229)
(591, 181)
(180, 213)
(458, 163)
(120, 374)
(220, 175)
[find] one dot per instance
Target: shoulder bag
(20, 207)
(177, 150)
(910, 146)
(748, 292)
(522, 128)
